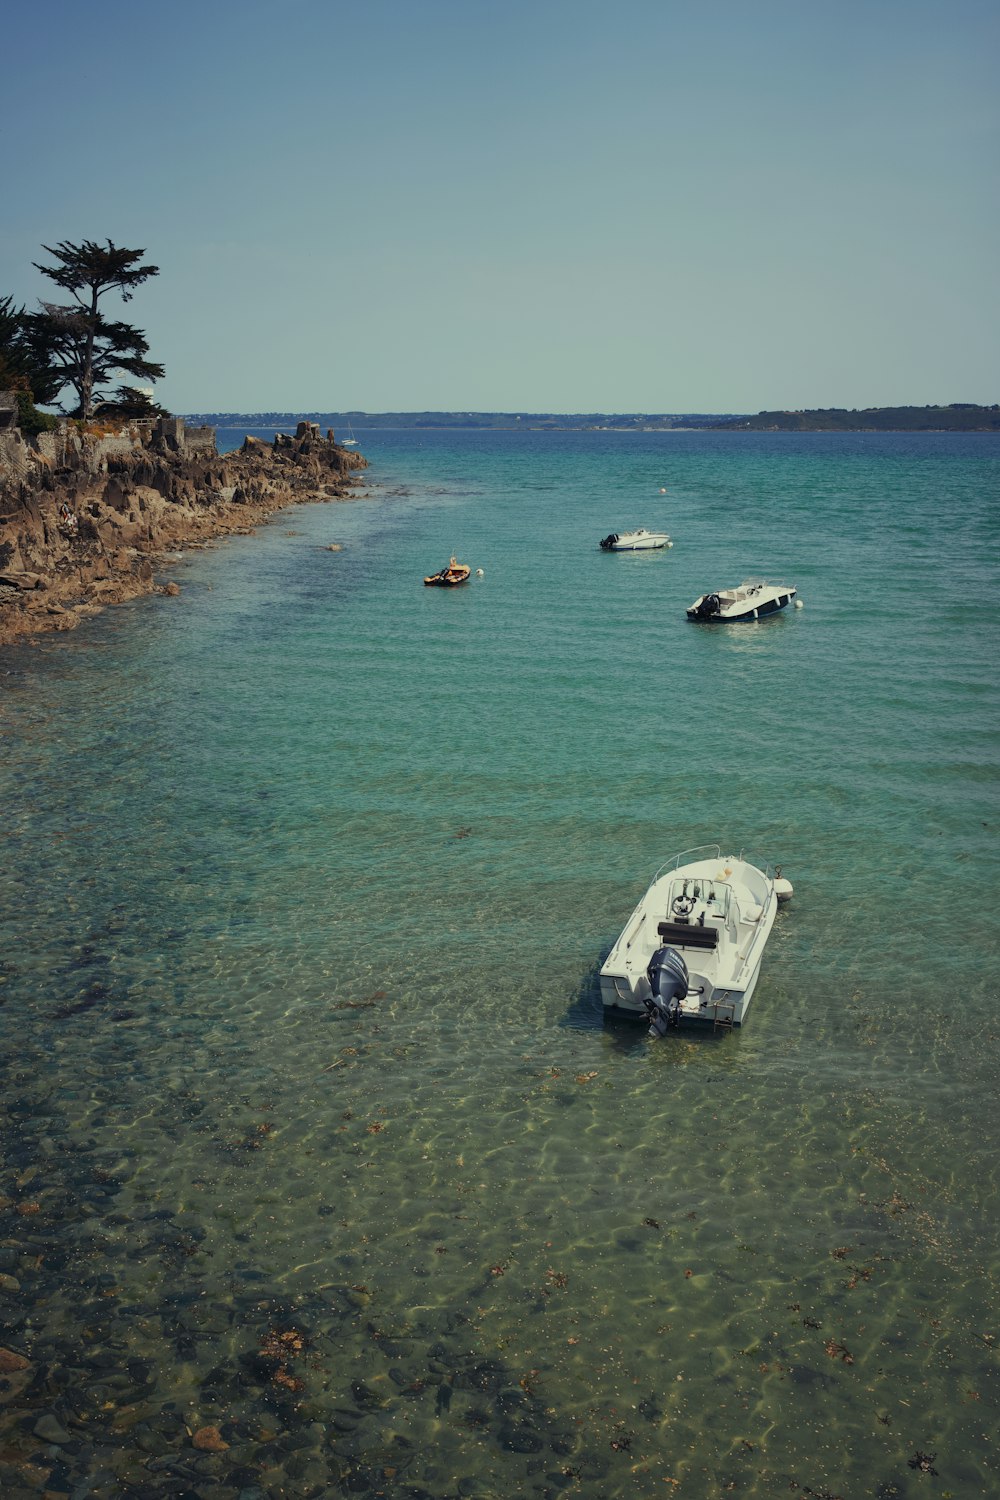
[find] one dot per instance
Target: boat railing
(634, 925)
(707, 851)
(755, 939)
(637, 928)
(635, 922)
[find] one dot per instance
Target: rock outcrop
(86, 515)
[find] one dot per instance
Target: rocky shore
(86, 515)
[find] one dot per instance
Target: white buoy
(480, 573)
(799, 604)
(663, 491)
(782, 888)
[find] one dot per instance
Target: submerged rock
(50, 1430)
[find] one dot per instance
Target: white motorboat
(639, 540)
(749, 600)
(692, 948)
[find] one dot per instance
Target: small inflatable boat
(448, 577)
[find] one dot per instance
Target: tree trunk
(87, 378)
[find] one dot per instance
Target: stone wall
(52, 445)
(113, 445)
(92, 450)
(199, 440)
(15, 457)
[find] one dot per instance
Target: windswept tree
(12, 352)
(86, 349)
(25, 366)
(89, 353)
(26, 369)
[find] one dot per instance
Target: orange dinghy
(449, 576)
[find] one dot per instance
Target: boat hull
(722, 1009)
(636, 541)
(742, 604)
(717, 912)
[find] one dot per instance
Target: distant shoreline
(958, 417)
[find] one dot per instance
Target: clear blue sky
(555, 205)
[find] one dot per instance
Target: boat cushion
(686, 935)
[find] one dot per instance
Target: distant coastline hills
(961, 416)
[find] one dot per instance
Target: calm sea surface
(313, 1132)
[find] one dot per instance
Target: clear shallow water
(313, 1129)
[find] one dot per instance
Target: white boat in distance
(350, 441)
(749, 600)
(692, 948)
(639, 540)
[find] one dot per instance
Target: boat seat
(686, 935)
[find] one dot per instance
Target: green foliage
(24, 364)
(32, 421)
(129, 402)
(10, 328)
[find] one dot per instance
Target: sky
(535, 205)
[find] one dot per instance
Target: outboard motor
(710, 605)
(668, 979)
(609, 541)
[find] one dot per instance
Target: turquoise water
(313, 1130)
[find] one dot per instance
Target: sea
(322, 1172)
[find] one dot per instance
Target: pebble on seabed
(209, 1440)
